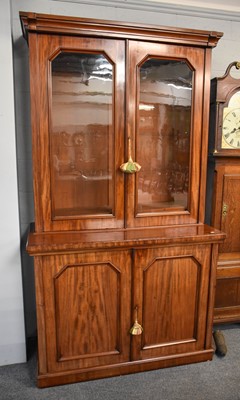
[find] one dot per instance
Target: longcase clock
(225, 157)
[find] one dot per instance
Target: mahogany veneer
(112, 248)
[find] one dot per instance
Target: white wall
(214, 17)
(12, 335)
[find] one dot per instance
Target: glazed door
(164, 125)
(78, 132)
(87, 312)
(171, 287)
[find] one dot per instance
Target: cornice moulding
(210, 10)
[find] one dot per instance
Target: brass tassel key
(130, 167)
(136, 329)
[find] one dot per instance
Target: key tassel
(136, 329)
(130, 167)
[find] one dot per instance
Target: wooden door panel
(178, 294)
(90, 309)
(227, 293)
(227, 298)
(88, 313)
(230, 215)
(173, 295)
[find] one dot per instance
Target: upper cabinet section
(104, 94)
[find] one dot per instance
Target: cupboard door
(165, 94)
(78, 132)
(86, 300)
(171, 287)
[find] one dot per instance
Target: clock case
(223, 200)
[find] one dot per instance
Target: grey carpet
(215, 380)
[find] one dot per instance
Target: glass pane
(82, 153)
(163, 145)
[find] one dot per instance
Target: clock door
(78, 184)
(230, 223)
(165, 98)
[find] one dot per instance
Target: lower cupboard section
(87, 302)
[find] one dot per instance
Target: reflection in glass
(163, 144)
(81, 135)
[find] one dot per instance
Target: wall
(12, 335)
(149, 12)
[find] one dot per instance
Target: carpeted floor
(215, 380)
